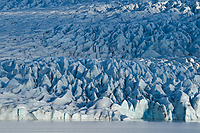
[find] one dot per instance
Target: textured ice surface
(121, 30)
(91, 60)
(58, 89)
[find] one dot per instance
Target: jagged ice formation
(90, 89)
(99, 60)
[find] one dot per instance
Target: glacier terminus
(100, 60)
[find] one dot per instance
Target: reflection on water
(97, 127)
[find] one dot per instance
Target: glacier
(68, 60)
(58, 88)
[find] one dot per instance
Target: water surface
(97, 127)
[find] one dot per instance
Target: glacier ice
(59, 94)
(119, 30)
(69, 60)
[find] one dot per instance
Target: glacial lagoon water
(97, 127)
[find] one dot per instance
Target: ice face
(89, 60)
(59, 94)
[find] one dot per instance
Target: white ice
(69, 60)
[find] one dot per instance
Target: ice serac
(183, 109)
(141, 109)
(141, 92)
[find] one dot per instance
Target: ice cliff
(99, 60)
